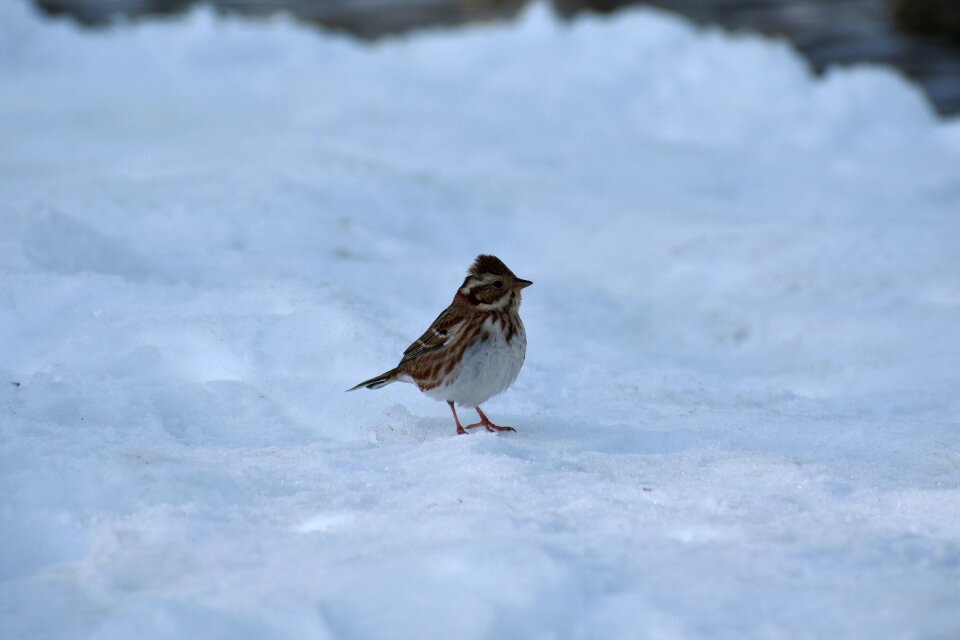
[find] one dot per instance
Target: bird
(474, 349)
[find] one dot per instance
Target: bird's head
(491, 286)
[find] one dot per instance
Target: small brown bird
(475, 347)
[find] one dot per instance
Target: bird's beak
(520, 283)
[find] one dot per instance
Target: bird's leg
(460, 428)
(485, 422)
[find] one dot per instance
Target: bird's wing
(441, 333)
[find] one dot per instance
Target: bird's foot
(489, 426)
(460, 430)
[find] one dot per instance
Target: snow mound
(738, 415)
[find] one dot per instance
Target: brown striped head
(491, 286)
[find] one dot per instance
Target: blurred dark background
(921, 37)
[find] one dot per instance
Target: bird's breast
(489, 365)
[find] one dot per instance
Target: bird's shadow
(539, 432)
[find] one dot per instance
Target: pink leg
(460, 429)
(485, 422)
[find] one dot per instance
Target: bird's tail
(376, 382)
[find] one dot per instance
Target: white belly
(488, 368)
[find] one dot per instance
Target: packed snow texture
(739, 414)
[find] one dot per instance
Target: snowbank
(738, 416)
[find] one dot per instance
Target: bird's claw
(489, 426)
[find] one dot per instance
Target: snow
(738, 416)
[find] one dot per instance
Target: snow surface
(739, 414)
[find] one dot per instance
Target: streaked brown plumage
(475, 347)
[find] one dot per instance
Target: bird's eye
(498, 284)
